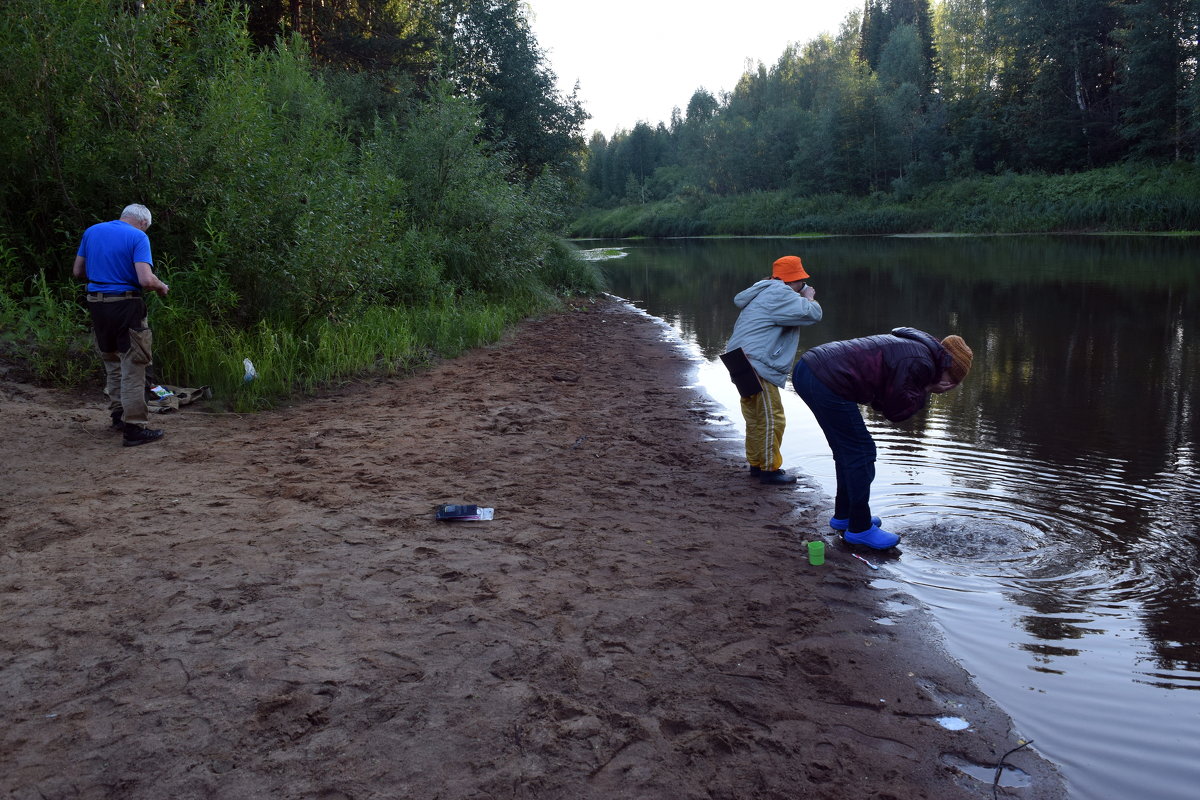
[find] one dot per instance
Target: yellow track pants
(764, 427)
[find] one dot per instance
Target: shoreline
(917, 630)
(264, 605)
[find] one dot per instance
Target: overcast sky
(635, 60)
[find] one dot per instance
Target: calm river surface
(1049, 506)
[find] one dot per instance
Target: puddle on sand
(894, 609)
(1010, 777)
(953, 723)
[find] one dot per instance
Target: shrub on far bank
(1130, 197)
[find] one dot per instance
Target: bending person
(894, 374)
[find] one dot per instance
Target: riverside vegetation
(1129, 197)
(349, 188)
(324, 204)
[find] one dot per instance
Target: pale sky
(635, 60)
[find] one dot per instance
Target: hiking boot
(136, 434)
(844, 524)
(756, 472)
(118, 420)
(776, 477)
(874, 537)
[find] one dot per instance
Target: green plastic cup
(816, 553)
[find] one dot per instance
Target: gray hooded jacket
(768, 329)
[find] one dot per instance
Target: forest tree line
(910, 93)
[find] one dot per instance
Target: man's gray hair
(137, 211)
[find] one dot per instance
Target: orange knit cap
(789, 269)
(962, 356)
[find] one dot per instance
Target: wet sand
(264, 605)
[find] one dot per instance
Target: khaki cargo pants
(124, 340)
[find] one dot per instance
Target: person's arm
(79, 269)
(792, 309)
(148, 280)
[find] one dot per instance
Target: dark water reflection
(1049, 505)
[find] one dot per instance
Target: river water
(1049, 505)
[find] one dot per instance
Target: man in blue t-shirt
(114, 258)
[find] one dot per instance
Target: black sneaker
(776, 478)
(136, 434)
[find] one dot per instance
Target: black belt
(111, 297)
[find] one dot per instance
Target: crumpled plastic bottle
(251, 373)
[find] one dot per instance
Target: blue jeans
(851, 443)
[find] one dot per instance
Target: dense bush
(296, 226)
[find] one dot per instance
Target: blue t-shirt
(110, 250)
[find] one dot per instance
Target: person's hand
(808, 292)
(162, 289)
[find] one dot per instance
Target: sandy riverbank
(264, 606)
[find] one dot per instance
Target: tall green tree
(966, 47)
(882, 17)
(376, 35)
(970, 60)
(900, 74)
(837, 134)
(875, 29)
(1159, 43)
(696, 134)
(1192, 124)
(644, 150)
(756, 134)
(1057, 82)
(495, 60)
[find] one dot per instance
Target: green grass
(380, 341)
(47, 333)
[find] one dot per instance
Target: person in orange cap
(768, 333)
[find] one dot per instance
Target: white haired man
(114, 258)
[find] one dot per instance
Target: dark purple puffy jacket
(888, 372)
